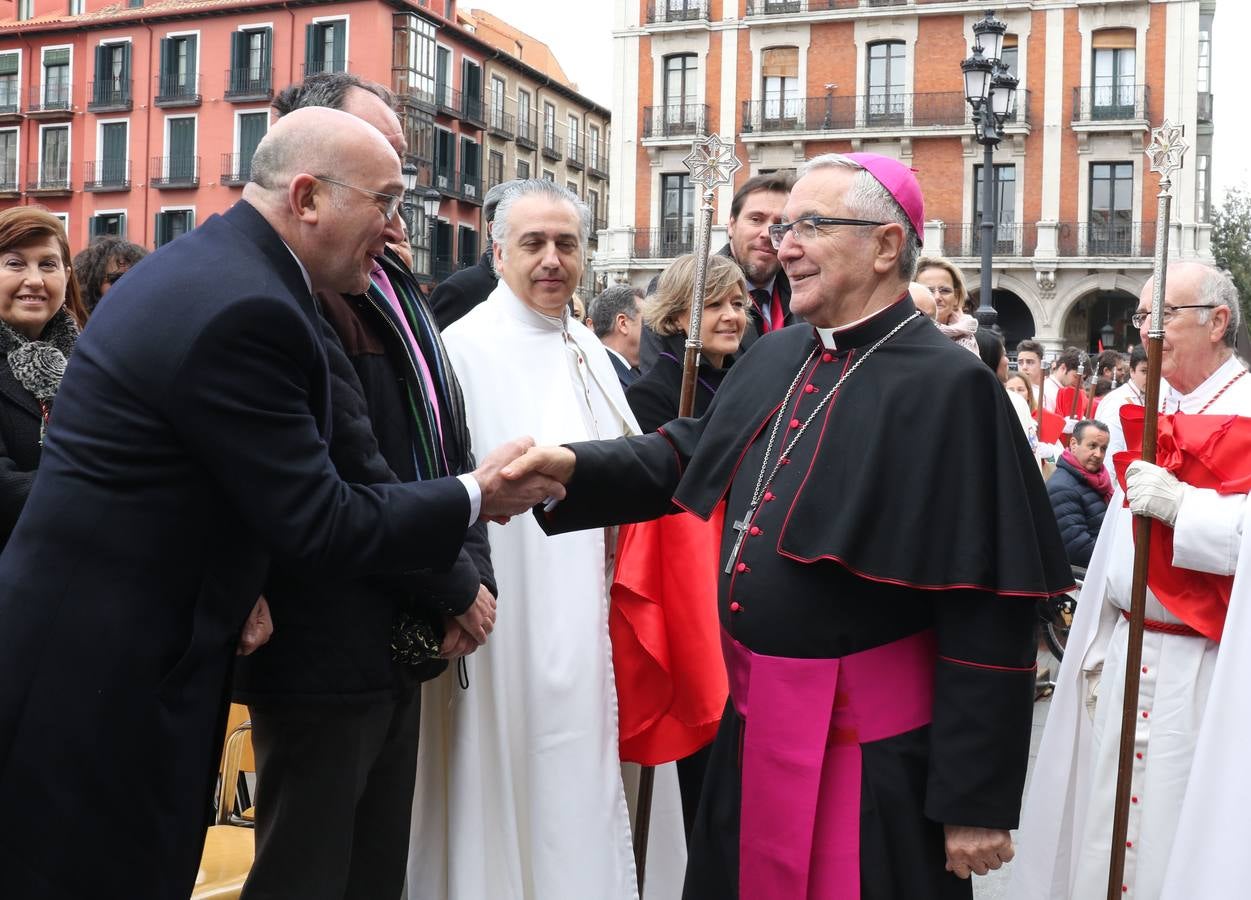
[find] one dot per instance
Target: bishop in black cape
(910, 514)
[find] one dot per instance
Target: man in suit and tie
(614, 317)
(188, 450)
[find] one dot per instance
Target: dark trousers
(334, 798)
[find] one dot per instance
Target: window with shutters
(178, 79)
(112, 168)
(325, 47)
(111, 88)
(443, 77)
(523, 169)
(444, 159)
(251, 128)
(181, 166)
(495, 169)
(106, 223)
(8, 159)
(54, 157)
(171, 224)
(467, 246)
(251, 68)
(25, 9)
(56, 78)
(10, 82)
(1114, 70)
(779, 70)
(886, 100)
(471, 91)
(443, 237)
(470, 169)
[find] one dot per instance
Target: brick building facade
(790, 79)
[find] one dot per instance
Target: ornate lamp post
(991, 91)
(430, 206)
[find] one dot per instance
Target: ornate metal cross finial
(1167, 149)
(712, 162)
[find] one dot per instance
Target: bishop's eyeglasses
(1138, 319)
(805, 228)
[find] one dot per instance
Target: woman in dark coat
(654, 397)
(40, 314)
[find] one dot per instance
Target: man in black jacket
(462, 291)
(335, 697)
(1079, 490)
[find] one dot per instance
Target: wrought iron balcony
(48, 178)
(1110, 239)
(502, 124)
(597, 165)
(665, 242)
(444, 181)
(553, 148)
(1011, 239)
(797, 7)
(106, 175)
(446, 100)
(10, 107)
(174, 172)
(173, 90)
(1111, 103)
(469, 187)
(472, 110)
(236, 170)
(9, 187)
(50, 100)
(249, 83)
(408, 86)
(883, 112)
(527, 134)
(322, 66)
(575, 159)
(109, 96)
(663, 11)
(675, 120)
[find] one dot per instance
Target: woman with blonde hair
(654, 397)
(946, 284)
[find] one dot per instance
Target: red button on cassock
(768, 495)
(754, 531)
(741, 567)
(1133, 799)
(1144, 670)
(1139, 755)
(810, 388)
(734, 607)
(827, 357)
(794, 423)
(1129, 843)
(1144, 714)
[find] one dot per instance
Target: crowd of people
(444, 547)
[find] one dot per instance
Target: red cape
(1204, 452)
(666, 642)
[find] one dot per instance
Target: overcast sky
(582, 41)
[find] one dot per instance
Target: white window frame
(43, 86)
(99, 154)
(347, 34)
(17, 159)
(124, 213)
(69, 149)
(21, 101)
(269, 123)
(178, 207)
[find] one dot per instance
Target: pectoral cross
(741, 527)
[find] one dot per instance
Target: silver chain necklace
(762, 483)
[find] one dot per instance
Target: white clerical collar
(1213, 383)
(527, 314)
(308, 282)
(829, 336)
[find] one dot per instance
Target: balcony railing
(323, 66)
(665, 242)
(661, 11)
(1205, 107)
(48, 178)
(872, 111)
(527, 134)
(444, 181)
(675, 120)
(796, 7)
(469, 186)
(1117, 239)
(174, 172)
(576, 157)
(502, 124)
(8, 183)
(446, 99)
(50, 98)
(1111, 103)
(1011, 239)
(106, 175)
(406, 83)
(553, 147)
(10, 106)
(472, 109)
(236, 169)
(109, 95)
(597, 164)
(171, 90)
(249, 83)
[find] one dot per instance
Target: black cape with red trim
(912, 502)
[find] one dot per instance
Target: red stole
(1204, 451)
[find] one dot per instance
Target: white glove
(1153, 491)
(1069, 424)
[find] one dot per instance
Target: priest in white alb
(1189, 793)
(520, 794)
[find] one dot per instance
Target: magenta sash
(800, 819)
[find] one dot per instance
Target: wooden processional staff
(712, 163)
(1165, 152)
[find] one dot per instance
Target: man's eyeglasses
(805, 228)
(1138, 319)
(392, 201)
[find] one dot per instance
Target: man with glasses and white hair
(881, 678)
(1186, 811)
(521, 795)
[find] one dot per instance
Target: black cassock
(910, 505)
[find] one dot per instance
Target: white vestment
(519, 783)
(1190, 797)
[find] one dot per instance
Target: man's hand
(503, 497)
(976, 851)
(456, 641)
(256, 630)
(1153, 491)
(555, 463)
(479, 620)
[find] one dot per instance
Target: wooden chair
(230, 845)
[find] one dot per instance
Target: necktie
(763, 300)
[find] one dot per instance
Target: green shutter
(57, 57)
(192, 62)
(8, 63)
(340, 47)
(310, 50)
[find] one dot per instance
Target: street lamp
(430, 205)
(991, 91)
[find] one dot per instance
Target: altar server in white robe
(1189, 794)
(519, 785)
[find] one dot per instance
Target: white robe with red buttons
(1187, 821)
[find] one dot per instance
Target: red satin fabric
(1204, 452)
(666, 639)
(1064, 403)
(1050, 426)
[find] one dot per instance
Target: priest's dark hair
(327, 89)
(1070, 358)
(530, 187)
(774, 183)
(868, 199)
(1137, 356)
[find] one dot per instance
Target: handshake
(517, 475)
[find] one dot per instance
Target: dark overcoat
(189, 445)
(20, 418)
